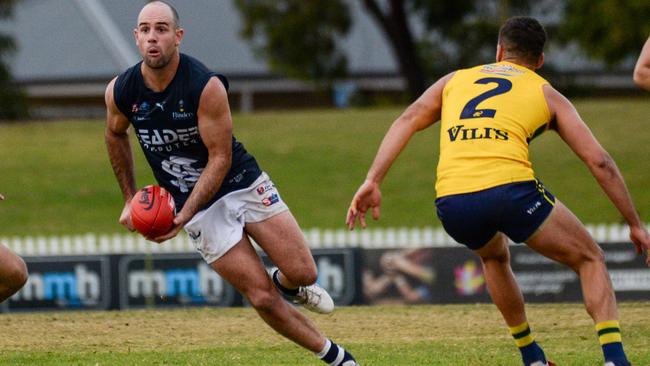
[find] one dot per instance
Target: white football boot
(314, 298)
(350, 363)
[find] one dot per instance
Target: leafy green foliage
(299, 38)
(12, 101)
(429, 38)
(610, 30)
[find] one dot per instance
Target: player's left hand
(641, 239)
(368, 196)
(179, 222)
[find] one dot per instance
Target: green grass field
(57, 178)
(453, 335)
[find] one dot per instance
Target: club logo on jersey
(141, 112)
(265, 188)
(181, 168)
(181, 106)
(268, 201)
(503, 70)
(485, 133)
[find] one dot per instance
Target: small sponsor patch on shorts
(268, 201)
(265, 188)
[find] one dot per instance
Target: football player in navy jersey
(13, 271)
(180, 114)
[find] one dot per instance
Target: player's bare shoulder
(214, 99)
(108, 93)
(558, 105)
(214, 90)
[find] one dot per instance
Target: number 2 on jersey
(470, 111)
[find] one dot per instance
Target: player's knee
(16, 275)
(596, 255)
(308, 277)
(501, 257)
(20, 274)
(588, 256)
(264, 300)
(304, 276)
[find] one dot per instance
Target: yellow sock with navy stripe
(609, 336)
(531, 352)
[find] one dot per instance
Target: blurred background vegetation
(429, 38)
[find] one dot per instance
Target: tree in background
(298, 38)
(428, 37)
(12, 101)
(609, 30)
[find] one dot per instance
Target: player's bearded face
(157, 36)
(156, 62)
(157, 49)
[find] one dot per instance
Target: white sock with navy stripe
(335, 355)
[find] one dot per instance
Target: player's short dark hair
(176, 18)
(523, 37)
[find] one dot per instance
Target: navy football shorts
(515, 209)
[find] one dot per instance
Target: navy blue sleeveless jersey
(166, 125)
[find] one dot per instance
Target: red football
(152, 211)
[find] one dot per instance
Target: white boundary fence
(91, 244)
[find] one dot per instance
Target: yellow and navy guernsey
(490, 113)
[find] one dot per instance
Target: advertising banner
(184, 279)
(58, 283)
(451, 275)
(440, 275)
(543, 280)
(423, 275)
(181, 279)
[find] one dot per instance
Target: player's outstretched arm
(215, 129)
(578, 136)
(642, 68)
(421, 114)
(119, 152)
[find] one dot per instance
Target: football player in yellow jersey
(486, 189)
(642, 68)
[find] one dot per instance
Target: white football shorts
(219, 227)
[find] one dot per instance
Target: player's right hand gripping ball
(152, 211)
